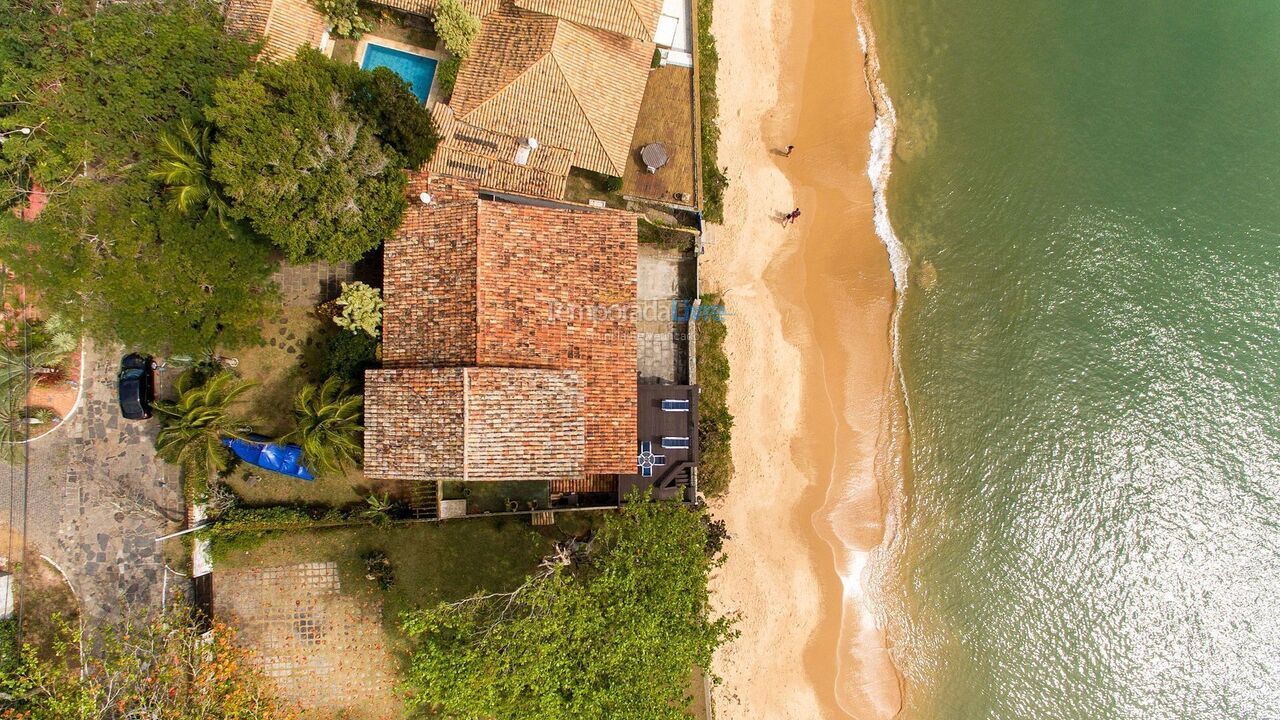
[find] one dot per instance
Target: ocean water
(1089, 194)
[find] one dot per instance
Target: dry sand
(812, 387)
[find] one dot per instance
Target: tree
(185, 168)
(328, 425)
(300, 165)
(344, 18)
(97, 81)
(192, 428)
(456, 26)
(613, 634)
(142, 276)
(145, 666)
(361, 309)
(400, 120)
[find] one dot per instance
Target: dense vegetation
(714, 181)
(610, 630)
(715, 423)
(98, 85)
(172, 163)
(159, 666)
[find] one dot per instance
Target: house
(565, 84)
(284, 26)
(509, 344)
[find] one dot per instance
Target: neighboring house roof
(474, 280)
(473, 424)
(567, 85)
(489, 158)
(634, 18)
(284, 25)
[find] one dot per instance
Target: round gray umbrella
(654, 156)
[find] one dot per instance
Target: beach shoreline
(814, 387)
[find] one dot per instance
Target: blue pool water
(415, 69)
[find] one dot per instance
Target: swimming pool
(415, 69)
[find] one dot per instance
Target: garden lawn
(432, 562)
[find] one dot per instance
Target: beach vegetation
(714, 181)
(565, 643)
(715, 422)
(154, 665)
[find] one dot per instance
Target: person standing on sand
(790, 217)
(787, 152)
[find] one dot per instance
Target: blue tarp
(278, 458)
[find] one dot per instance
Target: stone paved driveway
(98, 497)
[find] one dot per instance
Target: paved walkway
(324, 650)
(98, 497)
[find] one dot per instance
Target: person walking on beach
(787, 152)
(790, 217)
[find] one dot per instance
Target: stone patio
(324, 650)
(664, 281)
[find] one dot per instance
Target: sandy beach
(812, 386)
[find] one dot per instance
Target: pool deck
(434, 95)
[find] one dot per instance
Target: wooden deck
(666, 116)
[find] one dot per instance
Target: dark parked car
(137, 386)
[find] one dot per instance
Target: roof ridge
(573, 93)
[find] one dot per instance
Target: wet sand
(812, 387)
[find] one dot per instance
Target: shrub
(344, 17)
(715, 423)
(361, 309)
(447, 75)
(714, 181)
(402, 122)
(613, 184)
(456, 27)
(377, 567)
(348, 355)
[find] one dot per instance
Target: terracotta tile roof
(634, 18)
(567, 85)
(286, 25)
(476, 281)
(474, 424)
(488, 157)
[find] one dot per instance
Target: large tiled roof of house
(568, 85)
(470, 280)
(489, 158)
(473, 424)
(284, 25)
(634, 18)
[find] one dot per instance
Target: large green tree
(614, 634)
(301, 165)
(97, 81)
(101, 85)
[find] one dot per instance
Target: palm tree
(13, 419)
(193, 427)
(40, 351)
(187, 168)
(329, 428)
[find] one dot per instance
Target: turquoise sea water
(1090, 196)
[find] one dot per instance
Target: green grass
(714, 181)
(715, 423)
(584, 185)
(493, 496)
(432, 562)
(258, 488)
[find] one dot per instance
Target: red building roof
(475, 280)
